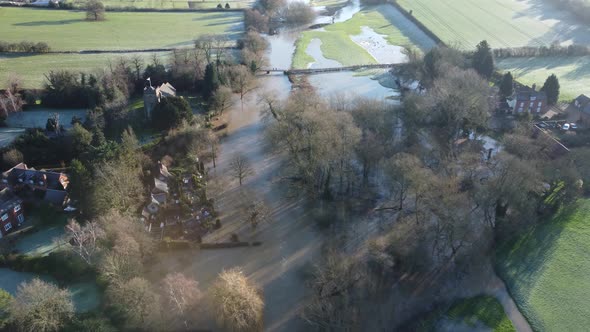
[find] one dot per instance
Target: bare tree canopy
(41, 307)
(84, 240)
(94, 10)
(237, 304)
(182, 296)
(240, 168)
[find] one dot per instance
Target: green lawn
(337, 45)
(170, 4)
(32, 68)
(503, 23)
(484, 309)
(473, 313)
(547, 271)
(573, 72)
(67, 30)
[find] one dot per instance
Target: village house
(528, 100)
(159, 193)
(152, 96)
(30, 183)
(11, 212)
(579, 109)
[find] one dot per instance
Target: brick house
(46, 185)
(579, 109)
(528, 100)
(11, 212)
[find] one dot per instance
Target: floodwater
(85, 295)
(292, 242)
(16, 123)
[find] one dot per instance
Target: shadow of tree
(42, 23)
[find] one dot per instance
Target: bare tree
(242, 81)
(123, 261)
(138, 64)
(331, 307)
(205, 43)
(85, 239)
(240, 168)
(221, 99)
(10, 100)
(12, 157)
(182, 295)
(94, 10)
(257, 212)
(138, 302)
(236, 302)
(41, 307)
(213, 142)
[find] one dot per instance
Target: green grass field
(573, 72)
(503, 23)
(547, 271)
(169, 4)
(471, 313)
(31, 69)
(484, 309)
(337, 45)
(68, 31)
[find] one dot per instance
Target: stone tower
(150, 98)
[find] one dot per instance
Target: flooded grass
(338, 45)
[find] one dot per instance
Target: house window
(21, 219)
(522, 104)
(538, 109)
(520, 110)
(17, 208)
(531, 104)
(8, 227)
(4, 217)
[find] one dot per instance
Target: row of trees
(25, 47)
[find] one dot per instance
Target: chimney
(534, 87)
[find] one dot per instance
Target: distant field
(171, 4)
(503, 23)
(573, 72)
(337, 44)
(67, 30)
(547, 271)
(32, 68)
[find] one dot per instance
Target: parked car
(566, 126)
(573, 126)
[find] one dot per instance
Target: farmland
(338, 45)
(573, 72)
(169, 4)
(503, 23)
(31, 68)
(68, 31)
(546, 270)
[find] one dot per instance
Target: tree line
(24, 47)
